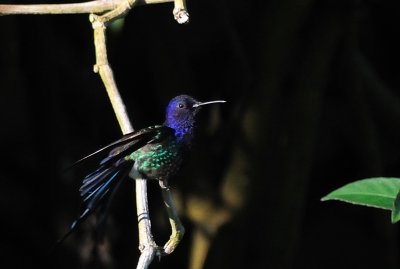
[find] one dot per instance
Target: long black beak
(207, 103)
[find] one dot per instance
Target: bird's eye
(181, 105)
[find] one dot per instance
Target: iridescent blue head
(181, 115)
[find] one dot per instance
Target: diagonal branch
(147, 245)
(111, 10)
(103, 68)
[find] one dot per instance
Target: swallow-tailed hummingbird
(153, 153)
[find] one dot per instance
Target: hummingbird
(152, 153)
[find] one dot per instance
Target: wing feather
(99, 187)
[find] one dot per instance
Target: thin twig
(103, 68)
(180, 11)
(147, 245)
(111, 10)
(98, 6)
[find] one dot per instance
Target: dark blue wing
(129, 143)
(99, 186)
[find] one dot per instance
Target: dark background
(313, 104)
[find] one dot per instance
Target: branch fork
(101, 13)
(147, 245)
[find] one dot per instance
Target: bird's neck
(185, 135)
(184, 132)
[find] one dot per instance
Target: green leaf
(396, 209)
(378, 192)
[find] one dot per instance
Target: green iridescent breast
(160, 160)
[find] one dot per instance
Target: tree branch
(99, 6)
(37, 9)
(147, 245)
(111, 10)
(103, 68)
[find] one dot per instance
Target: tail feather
(97, 184)
(103, 212)
(75, 225)
(99, 187)
(97, 191)
(102, 192)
